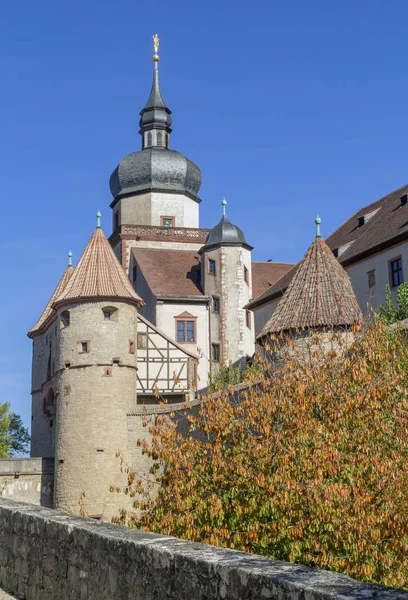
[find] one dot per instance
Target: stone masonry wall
(48, 555)
(27, 480)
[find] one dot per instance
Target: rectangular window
(84, 347)
(185, 332)
(212, 267)
(131, 347)
(116, 220)
(216, 352)
(396, 272)
(106, 315)
(141, 341)
(371, 278)
(167, 221)
(216, 304)
(246, 275)
(248, 318)
(134, 273)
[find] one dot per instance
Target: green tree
(5, 437)
(20, 438)
(388, 312)
(310, 465)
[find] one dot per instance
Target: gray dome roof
(226, 233)
(156, 168)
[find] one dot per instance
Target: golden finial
(156, 47)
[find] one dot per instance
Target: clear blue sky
(289, 107)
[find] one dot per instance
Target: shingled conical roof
(98, 275)
(48, 310)
(319, 295)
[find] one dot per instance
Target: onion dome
(225, 233)
(98, 275)
(155, 167)
(319, 295)
(48, 312)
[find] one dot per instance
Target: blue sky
(289, 108)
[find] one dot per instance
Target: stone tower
(92, 328)
(227, 278)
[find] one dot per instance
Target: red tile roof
(48, 311)
(319, 295)
(171, 273)
(98, 274)
(265, 274)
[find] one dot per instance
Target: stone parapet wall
(48, 555)
(27, 480)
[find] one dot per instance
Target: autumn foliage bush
(309, 465)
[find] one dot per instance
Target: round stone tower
(96, 318)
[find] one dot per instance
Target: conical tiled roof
(319, 295)
(98, 274)
(48, 310)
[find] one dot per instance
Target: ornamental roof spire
(155, 115)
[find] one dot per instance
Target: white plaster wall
(146, 209)
(372, 297)
(263, 314)
(166, 322)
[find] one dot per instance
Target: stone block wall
(49, 555)
(27, 480)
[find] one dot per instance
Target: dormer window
(361, 220)
(404, 199)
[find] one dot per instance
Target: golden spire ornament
(156, 47)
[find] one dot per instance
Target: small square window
(396, 275)
(167, 221)
(106, 315)
(248, 318)
(212, 267)
(216, 304)
(84, 347)
(216, 352)
(246, 275)
(371, 278)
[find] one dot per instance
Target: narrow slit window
(212, 267)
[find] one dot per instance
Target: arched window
(159, 138)
(110, 313)
(65, 319)
(149, 139)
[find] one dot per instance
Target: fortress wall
(46, 554)
(27, 480)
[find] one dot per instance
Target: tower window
(65, 319)
(107, 372)
(159, 138)
(84, 346)
(216, 352)
(212, 267)
(216, 304)
(167, 221)
(116, 220)
(110, 313)
(149, 139)
(248, 318)
(396, 275)
(134, 273)
(246, 275)
(186, 333)
(167, 140)
(131, 347)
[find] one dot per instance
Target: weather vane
(156, 47)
